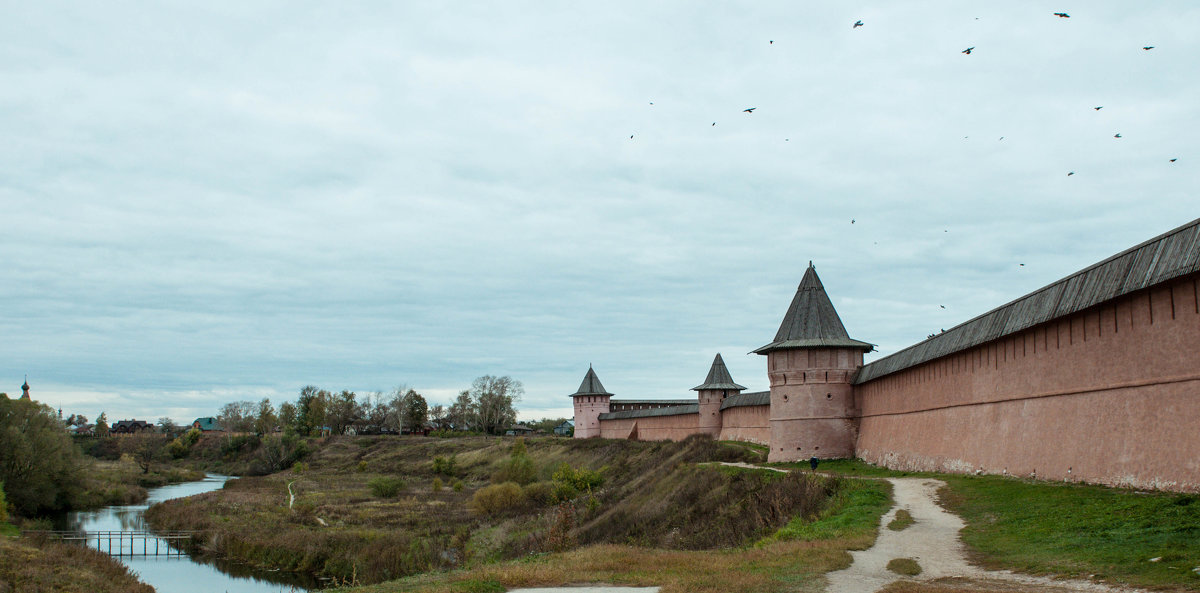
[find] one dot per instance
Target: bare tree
(494, 398)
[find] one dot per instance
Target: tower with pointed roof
(811, 364)
(590, 400)
(25, 389)
(716, 387)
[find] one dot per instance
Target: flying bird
(1068, 175)
(631, 136)
(1173, 160)
(771, 42)
(851, 221)
(857, 24)
(942, 306)
(750, 110)
(1148, 47)
(968, 50)
(1098, 108)
(1022, 265)
(1117, 135)
(714, 123)
(1062, 15)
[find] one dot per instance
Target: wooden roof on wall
(1168, 256)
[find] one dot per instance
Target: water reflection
(181, 574)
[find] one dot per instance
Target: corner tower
(811, 364)
(711, 393)
(591, 400)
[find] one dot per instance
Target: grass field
(43, 565)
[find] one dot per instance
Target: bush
(3, 505)
(436, 486)
(541, 493)
(362, 466)
(39, 464)
(457, 486)
(386, 486)
(299, 467)
(445, 465)
(497, 498)
(517, 469)
(570, 482)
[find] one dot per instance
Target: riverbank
(38, 564)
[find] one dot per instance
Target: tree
(343, 411)
(494, 398)
(76, 420)
(416, 411)
(167, 426)
(287, 416)
(40, 467)
(102, 425)
(237, 416)
(462, 412)
(311, 410)
(439, 417)
(265, 420)
(144, 449)
(375, 410)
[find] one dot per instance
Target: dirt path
(932, 541)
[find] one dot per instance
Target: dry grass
(905, 566)
(35, 565)
(901, 521)
(785, 566)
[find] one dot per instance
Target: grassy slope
(1055, 528)
(37, 565)
(793, 560)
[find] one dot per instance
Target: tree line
(487, 407)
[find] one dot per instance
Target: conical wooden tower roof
(811, 321)
(718, 377)
(591, 385)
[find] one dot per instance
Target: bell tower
(811, 364)
(590, 400)
(25, 389)
(711, 393)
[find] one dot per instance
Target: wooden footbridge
(124, 543)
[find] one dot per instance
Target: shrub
(362, 466)
(497, 498)
(904, 566)
(457, 485)
(437, 485)
(3, 505)
(386, 486)
(445, 465)
(299, 467)
(541, 493)
(518, 468)
(570, 482)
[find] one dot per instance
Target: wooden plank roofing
(718, 377)
(1168, 256)
(754, 398)
(811, 321)
(671, 411)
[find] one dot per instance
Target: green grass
(905, 566)
(1072, 529)
(854, 511)
(901, 521)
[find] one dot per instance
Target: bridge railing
(123, 543)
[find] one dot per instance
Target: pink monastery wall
(1108, 395)
(651, 428)
(746, 423)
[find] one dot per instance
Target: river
(181, 574)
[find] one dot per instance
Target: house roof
(671, 411)
(718, 377)
(811, 321)
(1170, 255)
(207, 423)
(672, 402)
(754, 398)
(591, 385)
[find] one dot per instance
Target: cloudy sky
(214, 201)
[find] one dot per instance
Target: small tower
(811, 363)
(25, 388)
(591, 400)
(711, 393)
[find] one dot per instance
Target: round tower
(25, 389)
(811, 364)
(711, 393)
(590, 400)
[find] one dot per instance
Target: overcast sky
(215, 201)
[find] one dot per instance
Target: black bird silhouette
(942, 306)
(714, 123)
(1148, 47)
(968, 50)
(1068, 175)
(857, 24)
(1117, 135)
(631, 136)
(750, 110)
(771, 42)
(1062, 15)
(851, 221)
(1173, 160)
(1098, 108)
(1022, 265)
